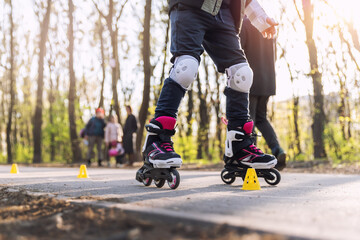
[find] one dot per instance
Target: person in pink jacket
(113, 137)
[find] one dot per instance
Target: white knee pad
(185, 70)
(240, 77)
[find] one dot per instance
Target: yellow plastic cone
(14, 169)
(251, 181)
(83, 172)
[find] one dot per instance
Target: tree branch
(121, 10)
(98, 9)
(140, 21)
(298, 12)
(341, 34)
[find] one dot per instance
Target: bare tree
(112, 25)
(146, 52)
(165, 50)
(12, 87)
(204, 118)
(190, 110)
(215, 101)
(100, 30)
(319, 115)
(51, 99)
(37, 131)
(75, 148)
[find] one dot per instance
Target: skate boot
(160, 159)
(241, 154)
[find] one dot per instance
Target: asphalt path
(317, 206)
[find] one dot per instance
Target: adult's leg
(263, 124)
(253, 102)
(90, 152)
(120, 159)
(99, 143)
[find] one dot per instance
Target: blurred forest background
(59, 60)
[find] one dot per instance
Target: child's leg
(223, 46)
(187, 33)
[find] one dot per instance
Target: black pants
(258, 112)
(192, 32)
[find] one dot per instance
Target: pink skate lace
(255, 149)
(167, 146)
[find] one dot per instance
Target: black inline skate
(160, 159)
(241, 154)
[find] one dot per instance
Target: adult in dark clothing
(260, 53)
(130, 128)
(94, 133)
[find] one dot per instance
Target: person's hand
(270, 32)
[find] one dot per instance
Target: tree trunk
(101, 29)
(37, 131)
(162, 77)
(189, 116)
(51, 99)
(216, 105)
(296, 124)
(2, 115)
(146, 52)
(115, 71)
(348, 115)
(75, 148)
(115, 65)
(202, 137)
(341, 108)
(12, 88)
(319, 115)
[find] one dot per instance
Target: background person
(113, 136)
(260, 53)
(94, 133)
(130, 128)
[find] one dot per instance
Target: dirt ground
(27, 217)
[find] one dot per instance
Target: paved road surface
(321, 206)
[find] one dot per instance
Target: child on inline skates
(211, 25)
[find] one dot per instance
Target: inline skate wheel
(275, 177)
(174, 183)
(227, 179)
(147, 181)
(159, 183)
